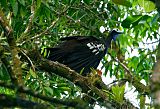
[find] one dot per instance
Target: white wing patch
(96, 48)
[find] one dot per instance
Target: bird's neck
(108, 42)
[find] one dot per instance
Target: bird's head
(115, 33)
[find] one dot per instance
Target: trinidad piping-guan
(81, 52)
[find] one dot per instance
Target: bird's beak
(121, 30)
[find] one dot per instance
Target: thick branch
(155, 81)
(11, 102)
(16, 64)
(87, 85)
(78, 103)
(63, 71)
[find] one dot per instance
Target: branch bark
(78, 103)
(83, 82)
(16, 72)
(155, 81)
(9, 101)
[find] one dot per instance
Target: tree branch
(54, 22)
(88, 86)
(131, 79)
(78, 103)
(15, 63)
(30, 19)
(11, 102)
(42, 33)
(155, 81)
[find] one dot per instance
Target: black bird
(81, 52)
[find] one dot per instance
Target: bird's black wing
(81, 38)
(78, 53)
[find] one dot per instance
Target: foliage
(118, 93)
(41, 23)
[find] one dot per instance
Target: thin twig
(131, 79)
(39, 35)
(48, 28)
(124, 66)
(115, 81)
(152, 42)
(28, 59)
(30, 18)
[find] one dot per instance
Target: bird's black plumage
(81, 52)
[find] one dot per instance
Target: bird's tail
(53, 54)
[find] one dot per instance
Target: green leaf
(134, 62)
(122, 2)
(48, 89)
(3, 3)
(154, 19)
(110, 70)
(4, 75)
(147, 5)
(118, 92)
(64, 89)
(32, 73)
(130, 20)
(14, 5)
(38, 3)
(22, 12)
(22, 2)
(87, 1)
(46, 83)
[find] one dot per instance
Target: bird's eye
(116, 29)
